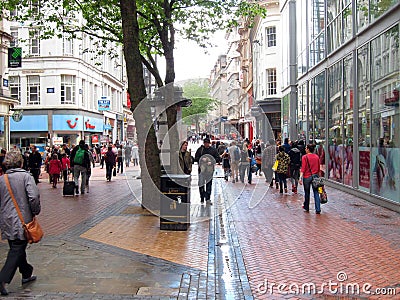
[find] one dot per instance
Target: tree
(199, 93)
(145, 29)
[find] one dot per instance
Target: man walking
(268, 160)
(80, 161)
(35, 163)
(234, 152)
(206, 157)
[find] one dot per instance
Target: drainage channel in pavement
(231, 277)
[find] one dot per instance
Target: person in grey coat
(27, 196)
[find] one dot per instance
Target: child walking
(55, 169)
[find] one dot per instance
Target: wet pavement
(252, 243)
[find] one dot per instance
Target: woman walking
(27, 196)
(310, 166)
(283, 166)
(185, 159)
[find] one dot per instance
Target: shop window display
(385, 118)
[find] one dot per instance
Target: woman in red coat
(55, 169)
(310, 165)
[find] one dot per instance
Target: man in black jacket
(35, 163)
(206, 157)
(80, 162)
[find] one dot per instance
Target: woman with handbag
(310, 167)
(20, 185)
(283, 166)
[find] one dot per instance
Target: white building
(58, 87)
(266, 39)
(6, 103)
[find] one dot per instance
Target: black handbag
(114, 171)
(316, 180)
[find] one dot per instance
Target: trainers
(29, 279)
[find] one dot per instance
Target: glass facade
(316, 14)
(385, 115)
(351, 108)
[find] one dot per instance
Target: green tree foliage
(199, 93)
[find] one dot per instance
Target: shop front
(29, 130)
(5, 104)
(70, 129)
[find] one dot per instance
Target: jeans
(282, 181)
(120, 164)
(16, 259)
(80, 171)
(307, 189)
(242, 171)
(295, 177)
(109, 169)
(35, 173)
(127, 160)
(205, 179)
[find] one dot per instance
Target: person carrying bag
(27, 199)
(309, 168)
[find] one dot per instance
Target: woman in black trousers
(28, 199)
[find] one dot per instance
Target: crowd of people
(295, 162)
(77, 161)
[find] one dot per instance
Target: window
(14, 33)
(67, 89)
(33, 90)
(35, 7)
(68, 45)
(271, 82)
(15, 87)
(271, 36)
(34, 43)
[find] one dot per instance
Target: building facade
(65, 90)
(218, 125)
(348, 80)
(6, 102)
(266, 45)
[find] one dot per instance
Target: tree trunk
(171, 107)
(147, 142)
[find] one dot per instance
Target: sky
(191, 61)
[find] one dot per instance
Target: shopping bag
(275, 166)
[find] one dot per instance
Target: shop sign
(17, 115)
(107, 127)
(15, 57)
(95, 139)
(104, 104)
(30, 123)
(58, 140)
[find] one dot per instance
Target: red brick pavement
(79, 208)
(281, 244)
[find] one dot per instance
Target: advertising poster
(385, 170)
(364, 179)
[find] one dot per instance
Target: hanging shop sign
(17, 115)
(104, 104)
(15, 57)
